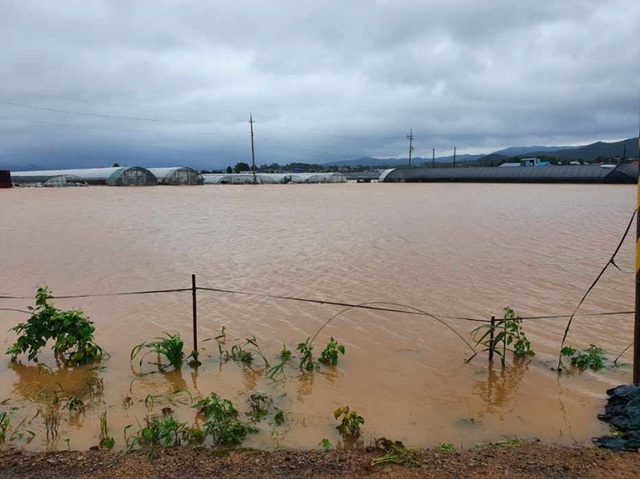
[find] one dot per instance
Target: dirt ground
(525, 460)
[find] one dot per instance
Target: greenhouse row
(138, 176)
(116, 176)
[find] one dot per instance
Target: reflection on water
(502, 386)
(41, 384)
(449, 250)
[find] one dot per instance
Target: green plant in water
(325, 443)
(71, 331)
(277, 370)
(14, 434)
(279, 417)
(223, 423)
(592, 357)
(171, 347)
(350, 423)
(506, 334)
(329, 355)
(239, 354)
(106, 441)
(307, 361)
(161, 431)
(396, 453)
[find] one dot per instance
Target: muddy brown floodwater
(455, 250)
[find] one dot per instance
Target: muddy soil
(525, 460)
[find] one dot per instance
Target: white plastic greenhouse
(117, 176)
(177, 176)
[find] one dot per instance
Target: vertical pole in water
(636, 325)
(491, 332)
(195, 315)
(433, 157)
(454, 156)
(410, 137)
(253, 151)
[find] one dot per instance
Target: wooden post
(195, 314)
(491, 345)
(636, 323)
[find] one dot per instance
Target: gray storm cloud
(86, 83)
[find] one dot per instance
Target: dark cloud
(158, 83)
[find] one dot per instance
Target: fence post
(491, 332)
(195, 316)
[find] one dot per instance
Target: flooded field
(452, 250)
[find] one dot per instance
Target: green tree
(241, 166)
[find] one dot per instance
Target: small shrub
(260, 404)
(329, 356)
(71, 331)
(325, 443)
(223, 423)
(350, 422)
(592, 357)
(171, 347)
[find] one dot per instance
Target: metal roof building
(117, 176)
(627, 173)
(177, 176)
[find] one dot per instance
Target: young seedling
(504, 335)
(106, 441)
(160, 432)
(307, 361)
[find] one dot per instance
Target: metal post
(195, 314)
(433, 157)
(253, 151)
(410, 137)
(491, 331)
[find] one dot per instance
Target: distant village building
(525, 162)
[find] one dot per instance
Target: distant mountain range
(599, 151)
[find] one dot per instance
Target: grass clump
(223, 424)
(171, 347)
(12, 434)
(71, 330)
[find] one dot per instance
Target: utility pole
(454, 156)
(410, 136)
(253, 151)
(433, 157)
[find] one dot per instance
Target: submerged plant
(71, 331)
(329, 355)
(260, 404)
(13, 434)
(504, 335)
(171, 347)
(350, 423)
(307, 361)
(106, 441)
(223, 423)
(592, 357)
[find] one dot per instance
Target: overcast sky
(149, 82)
